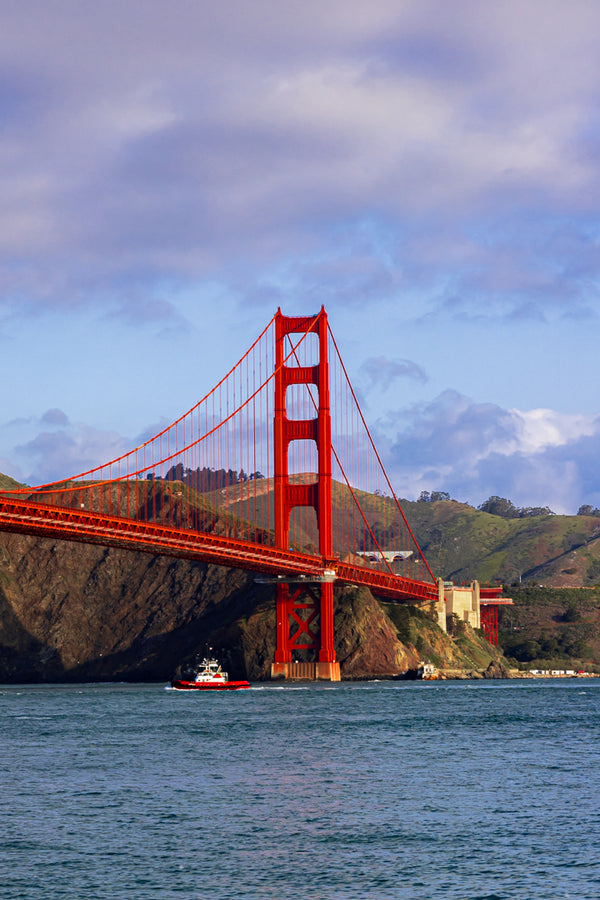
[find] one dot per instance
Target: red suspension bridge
(273, 471)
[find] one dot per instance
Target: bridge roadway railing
(64, 523)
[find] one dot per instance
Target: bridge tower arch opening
(299, 609)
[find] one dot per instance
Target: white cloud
(382, 372)
(54, 455)
(50, 447)
(540, 429)
(475, 450)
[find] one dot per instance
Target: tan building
(461, 601)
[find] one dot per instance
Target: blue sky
(172, 173)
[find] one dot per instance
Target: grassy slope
(7, 483)
(467, 650)
(461, 543)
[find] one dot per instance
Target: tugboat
(427, 672)
(210, 677)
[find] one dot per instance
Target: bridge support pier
(328, 671)
(305, 671)
(297, 617)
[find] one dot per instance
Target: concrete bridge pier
(305, 671)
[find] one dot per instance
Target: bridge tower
(297, 611)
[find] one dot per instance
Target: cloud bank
(429, 171)
(361, 149)
(471, 450)
(475, 450)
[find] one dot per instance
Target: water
(449, 790)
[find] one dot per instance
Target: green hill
(552, 628)
(8, 484)
(461, 543)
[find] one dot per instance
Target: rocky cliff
(78, 612)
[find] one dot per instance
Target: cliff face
(77, 612)
(366, 642)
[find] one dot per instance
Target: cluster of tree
(564, 645)
(587, 510)
(433, 497)
(500, 506)
(205, 479)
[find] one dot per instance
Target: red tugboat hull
(210, 677)
(208, 686)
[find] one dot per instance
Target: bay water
(450, 790)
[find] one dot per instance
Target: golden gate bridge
(274, 471)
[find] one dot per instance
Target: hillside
(550, 628)
(461, 543)
(79, 612)
(7, 483)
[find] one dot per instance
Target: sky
(428, 170)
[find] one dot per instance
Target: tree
(455, 626)
(526, 512)
(572, 612)
(588, 510)
(433, 497)
(499, 506)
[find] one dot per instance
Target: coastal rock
(367, 643)
(496, 670)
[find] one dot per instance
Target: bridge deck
(44, 520)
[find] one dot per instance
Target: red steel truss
(490, 600)
(489, 622)
(42, 520)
